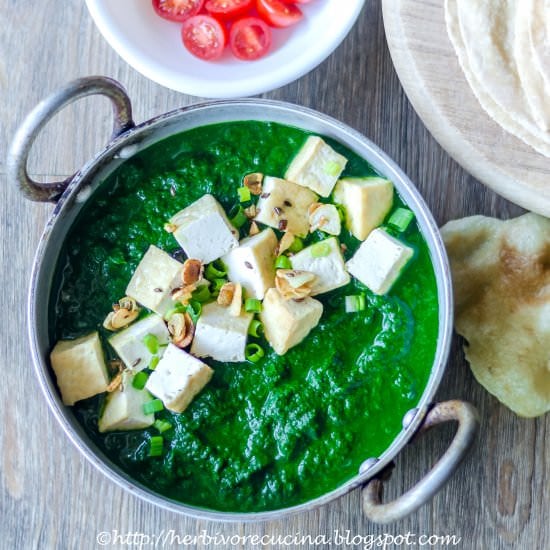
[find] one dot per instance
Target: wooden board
(436, 86)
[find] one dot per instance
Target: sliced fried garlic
(124, 312)
(225, 296)
(294, 283)
(181, 328)
(170, 227)
(254, 182)
(128, 303)
(286, 242)
(324, 217)
(192, 272)
(254, 229)
(237, 302)
(312, 207)
(251, 211)
(115, 384)
(123, 318)
(231, 296)
(183, 294)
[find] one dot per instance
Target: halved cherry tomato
(177, 10)
(228, 9)
(279, 14)
(250, 38)
(204, 37)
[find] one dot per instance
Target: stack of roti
(501, 281)
(503, 47)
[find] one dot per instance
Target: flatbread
(538, 14)
(532, 80)
(489, 65)
(501, 281)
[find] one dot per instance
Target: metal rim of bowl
(77, 193)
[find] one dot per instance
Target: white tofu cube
(284, 205)
(178, 378)
(288, 322)
(220, 335)
(203, 230)
(124, 408)
(154, 279)
(325, 260)
(317, 166)
(80, 368)
(379, 261)
(252, 263)
(325, 218)
(367, 202)
(130, 342)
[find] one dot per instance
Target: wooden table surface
(50, 497)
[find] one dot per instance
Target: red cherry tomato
(279, 14)
(177, 10)
(204, 37)
(228, 9)
(301, 1)
(250, 38)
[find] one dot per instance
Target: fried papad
(501, 281)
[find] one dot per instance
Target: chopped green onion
(355, 303)
(215, 270)
(401, 219)
(283, 262)
(151, 343)
(162, 425)
(251, 305)
(332, 168)
(152, 406)
(254, 352)
(178, 308)
(297, 245)
(320, 249)
(140, 379)
(156, 445)
(244, 194)
(256, 328)
(202, 294)
(154, 362)
(194, 309)
(237, 216)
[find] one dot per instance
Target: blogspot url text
(342, 539)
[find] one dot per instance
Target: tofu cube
(178, 378)
(220, 335)
(325, 260)
(154, 279)
(325, 218)
(379, 261)
(284, 205)
(317, 166)
(80, 368)
(287, 322)
(130, 346)
(367, 202)
(203, 230)
(124, 408)
(252, 263)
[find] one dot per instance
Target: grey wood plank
(50, 497)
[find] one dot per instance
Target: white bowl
(153, 46)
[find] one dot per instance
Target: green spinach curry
(266, 435)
